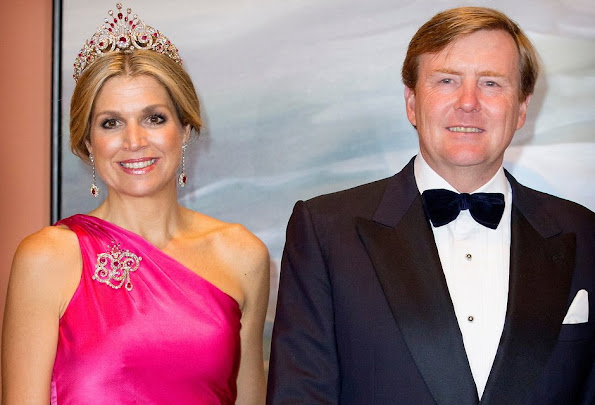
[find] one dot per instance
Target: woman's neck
(157, 220)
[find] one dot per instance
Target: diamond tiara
(122, 33)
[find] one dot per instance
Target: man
(389, 295)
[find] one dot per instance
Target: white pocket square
(579, 309)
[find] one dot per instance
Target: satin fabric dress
(141, 328)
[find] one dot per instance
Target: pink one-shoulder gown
(141, 328)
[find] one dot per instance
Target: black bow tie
(443, 206)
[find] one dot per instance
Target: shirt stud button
(468, 256)
(470, 318)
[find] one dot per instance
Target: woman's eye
(156, 119)
(109, 123)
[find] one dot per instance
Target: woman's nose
(134, 137)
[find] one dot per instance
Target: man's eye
(446, 81)
(491, 83)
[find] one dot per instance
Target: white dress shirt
(475, 260)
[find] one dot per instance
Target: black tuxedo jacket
(364, 315)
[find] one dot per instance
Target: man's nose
(468, 98)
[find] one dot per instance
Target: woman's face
(136, 137)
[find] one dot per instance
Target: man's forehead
(498, 49)
(463, 41)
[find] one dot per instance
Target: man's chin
(469, 157)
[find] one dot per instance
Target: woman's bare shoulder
(236, 239)
(49, 260)
(232, 242)
(248, 258)
(48, 245)
(229, 256)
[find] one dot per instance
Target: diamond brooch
(114, 267)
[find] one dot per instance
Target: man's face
(466, 103)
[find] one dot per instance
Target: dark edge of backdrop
(56, 114)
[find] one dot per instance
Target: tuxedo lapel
(401, 246)
(402, 250)
(541, 266)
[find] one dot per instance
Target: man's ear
(410, 105)
(523, 112)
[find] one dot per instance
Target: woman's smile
(138, 166)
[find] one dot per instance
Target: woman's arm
(254, 276)
(43, 278)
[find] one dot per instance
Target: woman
(142, 300)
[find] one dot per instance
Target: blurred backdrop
(304, 97)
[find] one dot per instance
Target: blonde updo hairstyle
(450, 25)
(170, 74)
